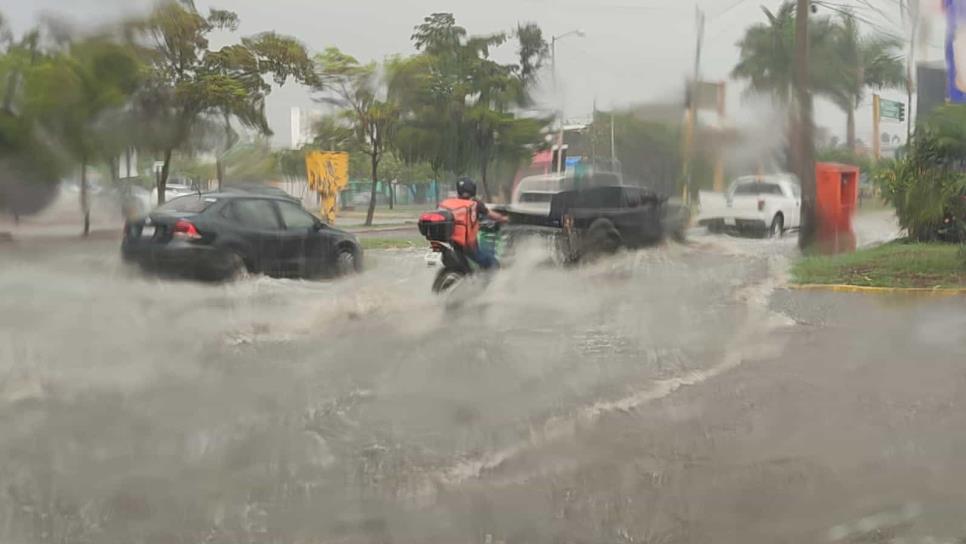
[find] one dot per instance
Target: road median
(896, 267)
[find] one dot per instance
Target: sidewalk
(10, 234)
(62, 221)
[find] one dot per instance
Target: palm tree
(865, 61)
(767, 61)
(767, 57)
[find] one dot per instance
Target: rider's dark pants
(483, 257)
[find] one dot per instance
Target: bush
(927, 187)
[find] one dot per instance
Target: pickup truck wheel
(777, 228)
(602, 239)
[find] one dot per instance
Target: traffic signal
(902, 112)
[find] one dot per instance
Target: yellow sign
(328, 174)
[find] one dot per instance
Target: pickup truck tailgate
(712, 205)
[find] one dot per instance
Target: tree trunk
(372, 194)
(220, 172)
(11, 92)
(115, 167)
(392, 195)
(806, 143)
(436, 186)
(484, 166)
(85, 198)
(791, 159)
(850, 127)
(165, 171)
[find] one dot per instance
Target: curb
(377, 230)
(938, 291)
(95, 235)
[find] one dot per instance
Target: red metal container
(837, 188)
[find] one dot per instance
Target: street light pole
(692, 113)
(556, 92)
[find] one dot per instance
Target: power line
(727, 10)
(847, 11)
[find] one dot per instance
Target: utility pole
(692, 113)
(806, 141)
(910, 13)
(556, 91)
(594, 136)
(613, 142)
(876, 130)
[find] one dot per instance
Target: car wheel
(346, 262)
(446, 280)
(777, 228)
(235, 269)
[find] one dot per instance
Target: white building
(303, 122)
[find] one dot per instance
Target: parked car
(173, 191)
(218, 236)
(764, 205)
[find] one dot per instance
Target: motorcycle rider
(469, 210)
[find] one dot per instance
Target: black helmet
(466, 188)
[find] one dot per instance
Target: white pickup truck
(767, 205)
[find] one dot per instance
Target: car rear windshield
(188, 204)
(758, 188)
(747, 189)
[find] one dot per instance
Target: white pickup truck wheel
(777, 228)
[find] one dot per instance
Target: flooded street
(662, 396)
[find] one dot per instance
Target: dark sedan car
(218, 236)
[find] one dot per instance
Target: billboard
(328, 173)
(931, 89)
(955, 50)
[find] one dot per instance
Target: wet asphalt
(679, 394)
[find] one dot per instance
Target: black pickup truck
(601, 220)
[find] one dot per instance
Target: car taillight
(186, 230)
(761, 205)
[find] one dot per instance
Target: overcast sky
(634, 50)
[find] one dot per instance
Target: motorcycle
(456, 265)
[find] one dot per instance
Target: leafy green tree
(767, 61)
(71, 94)
(431, 124)
(190, 84)
(365, 96)
(29, 168)
(929, 182)
(462, 109)
(866, 62)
